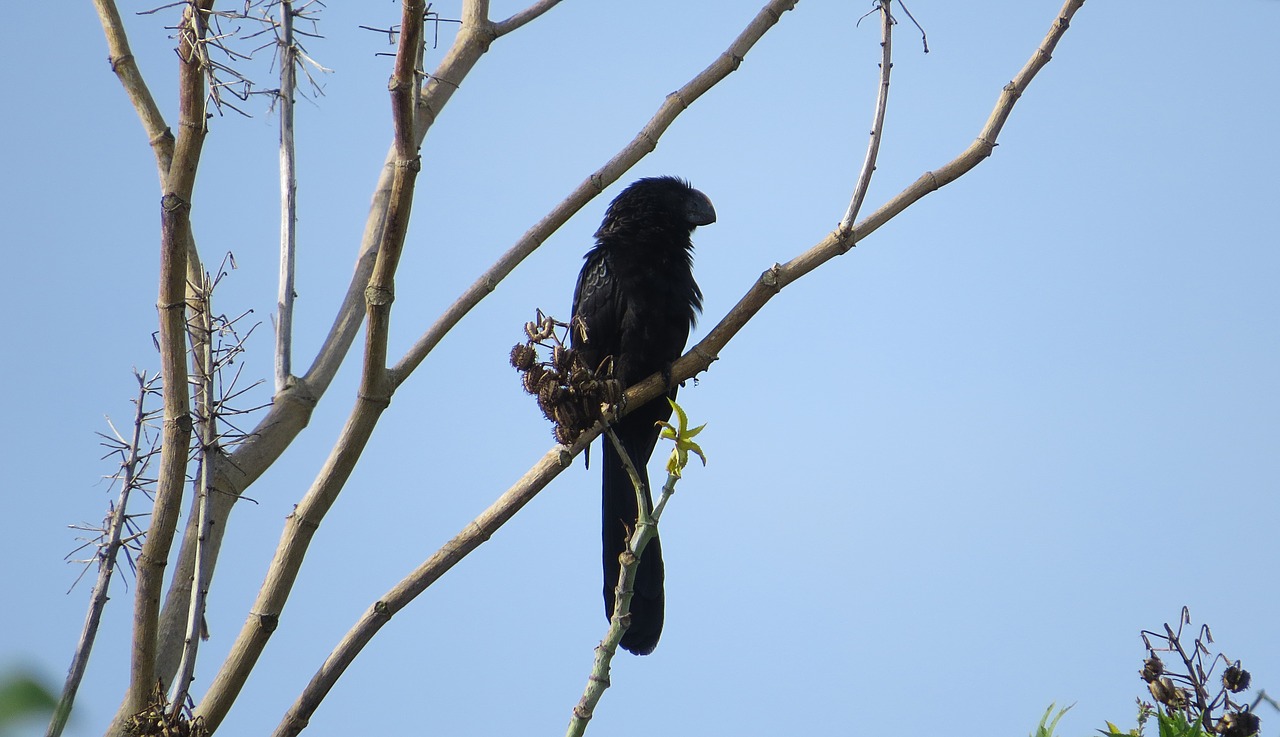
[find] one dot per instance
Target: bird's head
(667, 204)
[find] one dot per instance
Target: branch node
(378, 400)
(116, 61)
(378, 296)
(707, 357)
(482, 532)
(268, 622)
(771, 278)
(172, 203)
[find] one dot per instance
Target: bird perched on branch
(637, 299)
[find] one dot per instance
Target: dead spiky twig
(133, 460)
(1196, 694)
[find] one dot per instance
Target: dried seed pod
(1235, 678)
(611, 391)
(1242, 723)
(1152, 668)
(578, 374)
(579, 328)
(564, 435)
(548, 409)
(532, 378)
(523, 356)
(1163, 691)
(550, 391)
(562, 359)
(531, 330)
(568, 415)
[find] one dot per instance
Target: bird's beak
(700, 210)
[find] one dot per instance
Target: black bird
(637, 298)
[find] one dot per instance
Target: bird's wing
(597, 302)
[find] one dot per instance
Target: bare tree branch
(126, 69)
(502, 28)
(695, 361)
(642, 145)
(175, 213)
(288, 198)
(375, 390)
(291, 409)
(202, 342)
(106, 561)
(877, 121)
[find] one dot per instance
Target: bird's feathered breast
(636, 294)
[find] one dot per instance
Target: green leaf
(1046, 727)
(682, 435)
(22, 696)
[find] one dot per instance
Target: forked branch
(695, 361)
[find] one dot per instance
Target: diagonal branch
(502, 28)
(374, 395)
(126, 69)
(695, 361)
(291, 408)
(298, 715)
(642, 145)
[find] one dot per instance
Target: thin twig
(877, 120)
(695, 361)
(502, 28)
(288, 199)
(106, 561)
(126, 69)
(206, 424)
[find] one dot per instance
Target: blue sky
(952, 473)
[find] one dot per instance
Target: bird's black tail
(620, 513)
